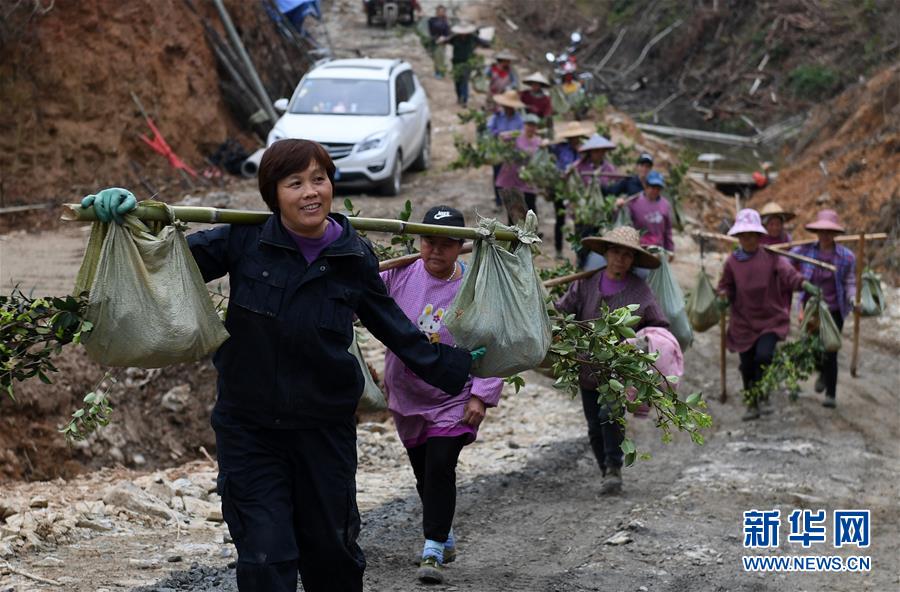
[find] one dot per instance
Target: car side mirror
(281, 104)
(405, 108)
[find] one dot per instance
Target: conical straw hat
(622, 236)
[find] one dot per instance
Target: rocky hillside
(68, 122)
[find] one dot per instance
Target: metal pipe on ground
(250, 167)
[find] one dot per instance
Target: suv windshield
(338, 96)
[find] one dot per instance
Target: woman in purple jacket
(616, 286)
(838, 288)
(433, 426)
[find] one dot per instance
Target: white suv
(371, 115)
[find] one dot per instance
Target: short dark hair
(286, 157)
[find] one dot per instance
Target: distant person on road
(501, 76)
(592, 167)
(568, 139)
(773, 218)
(433, 426)
(439, 30)
(754, 283)
(536, 98)
(288, 386)
(615, 285)
(463, 39)
(296, 11)
(838, 288)
(527, 143)
(505, 122)
(635, 183)
(651, 213)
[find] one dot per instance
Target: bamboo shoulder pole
(723, 328)
(771, 249)
(74, 212)
(860, 263)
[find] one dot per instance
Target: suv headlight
(372, 142)
(275, 135)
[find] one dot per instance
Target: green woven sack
(671, 299)
(816, 312)
(372, 398)
(871, 296)
(701, 304)
(500, 304)
(146, 298)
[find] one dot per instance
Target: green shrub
(812, 81)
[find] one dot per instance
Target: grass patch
(812, 81)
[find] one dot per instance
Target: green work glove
(722, 304)
(477, 353)
(812, 289)
(111, 204)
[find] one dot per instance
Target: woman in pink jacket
(433, 426)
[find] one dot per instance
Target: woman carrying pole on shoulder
(526, 143)
(432, 426)
(838, 288)
(616, 285)
(288, 386)
(754, 282)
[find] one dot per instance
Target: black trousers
(289, 498)
(559, 207)
(434, 464)
(755, 359)
(604, 432)
(830, 361)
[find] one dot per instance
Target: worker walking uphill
(651, 213)
(439, 32)
(288, 385)
(838, 288)
(615, 285)
(433, 427)
(633, 184)
(754, 282)
(463, 39)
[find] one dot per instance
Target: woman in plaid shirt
(838, 288)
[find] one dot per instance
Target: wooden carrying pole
(74, 212)
(723, 328)
(565, 279)
(411, 258)
(860, 263)
(844, 238)
(771, 249)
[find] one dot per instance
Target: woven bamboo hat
(509, 98)
(538, 78)
(774, 209)
(572, 129)
(505, 55)
(463, 29)
(622, 236)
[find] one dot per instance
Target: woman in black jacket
(288, 385)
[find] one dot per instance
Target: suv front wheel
(391, 185)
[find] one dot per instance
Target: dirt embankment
(848, 158)
(68, 123)
(802, 52)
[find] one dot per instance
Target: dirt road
(529, 516)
